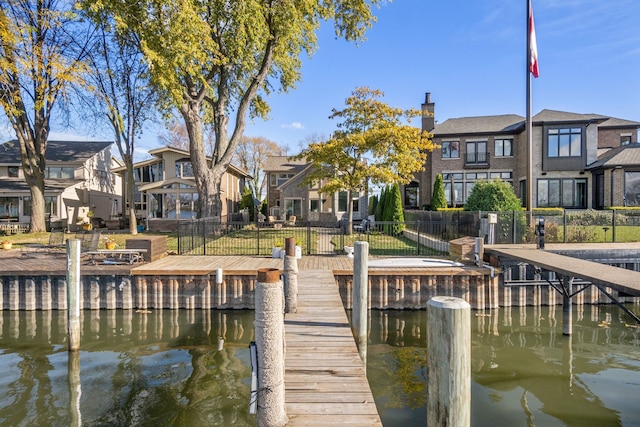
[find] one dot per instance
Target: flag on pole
(533, 46)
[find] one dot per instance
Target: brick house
(287, 194)
(569, 152)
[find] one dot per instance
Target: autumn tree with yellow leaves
(374, 144)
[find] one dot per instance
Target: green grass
(245, 241)
(20, 240)
(384, 244)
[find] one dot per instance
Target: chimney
(428, 113)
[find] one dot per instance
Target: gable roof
(508, 123)
(627, 155)
(57, 151)
(284, 164)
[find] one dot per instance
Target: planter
(110, 245)
(6, 245)
(349, 251)
(140, 228)
(277, 252)
(87, 227)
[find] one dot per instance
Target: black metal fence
(423, 232)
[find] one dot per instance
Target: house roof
(57, 151)
(284, 164)
(10, 185)
(627, 155)
(160, 184)
(508, 123)
(157, 153)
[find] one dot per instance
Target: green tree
(380, 206)
(373, 203)
(215, 61)
(394, 211)
(438, 200)
(494, 195)
(248, 201)
(374, 143)
(42, 51)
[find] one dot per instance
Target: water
(524, 371)
(191, 367)
(134, 369)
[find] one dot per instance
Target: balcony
(476, 160)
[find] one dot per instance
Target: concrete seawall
(392, 290)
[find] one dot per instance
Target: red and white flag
(533, 46)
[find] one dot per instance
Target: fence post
(269, 329)
(418, 232)
(514, 234)
(564, 226)
(613, 227)
(258, 231)
(449, 361)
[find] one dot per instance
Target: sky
(471, 56)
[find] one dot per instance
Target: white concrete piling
(269, 328)
(360, 297)
(73, 293)
(290, 276)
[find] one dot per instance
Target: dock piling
(449, 361)
(269, 328)
(290, 276)
(360, 296)
(73, 293)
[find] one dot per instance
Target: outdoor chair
(292, 221)
(363, 227)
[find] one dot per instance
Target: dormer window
(13, 171)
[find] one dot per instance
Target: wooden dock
(325, 379)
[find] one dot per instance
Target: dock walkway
(325, 379)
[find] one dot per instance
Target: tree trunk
(208, 177)
(130, 198)
(349, 229)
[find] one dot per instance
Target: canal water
(191, 367)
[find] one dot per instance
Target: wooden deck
(325, 379)
(627, 281)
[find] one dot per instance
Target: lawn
(384, 244)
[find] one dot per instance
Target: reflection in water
(159, 368)
(524, 371)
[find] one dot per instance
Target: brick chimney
(428, 113)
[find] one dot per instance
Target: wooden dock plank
(325, 379)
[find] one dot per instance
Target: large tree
(213, 61)
(42, 50)
(119, 80)
(374, 144)
(251, 154)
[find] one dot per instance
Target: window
(12, 171)
(503, 147)
(314, 205)
(184, 169)
(411, 195)
(566, 193)
(50, 205)
(451, 150)
(476, 152)
(564, 142)
(624, 140)
(280, 178)
(58, 173)
(293, 207)
(342, 201)
(149, 173)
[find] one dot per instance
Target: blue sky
(470, 54)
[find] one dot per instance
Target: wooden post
(269, 326)
(290, 276)
(73, 293)
(360, 296)
(449, 361)
(75, 388)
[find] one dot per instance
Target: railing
(423, 232)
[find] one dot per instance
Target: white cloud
(293, 125)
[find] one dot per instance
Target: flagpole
(528, 126)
